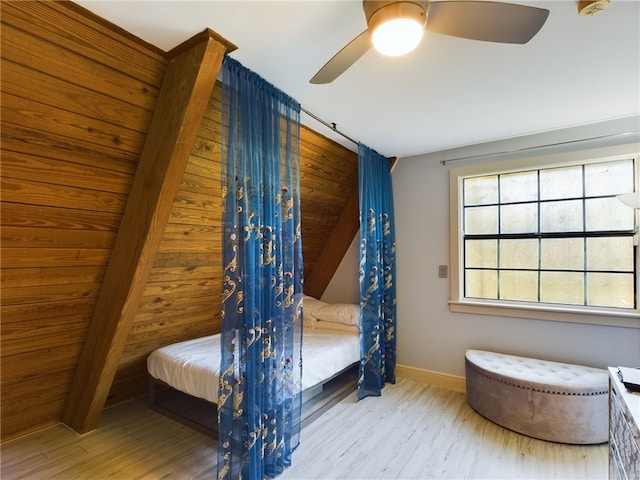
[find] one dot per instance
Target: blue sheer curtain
(377, 273)
(260, 383)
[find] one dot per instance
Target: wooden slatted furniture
(624, 431)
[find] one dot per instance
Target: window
(545, 237)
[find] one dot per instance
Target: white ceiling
(450, 92)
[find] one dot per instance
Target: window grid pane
(564, 240)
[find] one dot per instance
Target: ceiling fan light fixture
(397, 28)
(592, 7)
(484, 20)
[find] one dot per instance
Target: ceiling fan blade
(342, 60)
(487, 21)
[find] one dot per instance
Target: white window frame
(552, 312)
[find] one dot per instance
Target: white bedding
(193, 366)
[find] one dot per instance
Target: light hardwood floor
(414, 431)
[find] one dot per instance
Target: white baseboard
(444, 380)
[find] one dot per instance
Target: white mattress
(193, 366)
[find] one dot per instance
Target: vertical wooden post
(183, 98)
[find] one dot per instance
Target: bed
(183, 377)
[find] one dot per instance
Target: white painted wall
(431, 337)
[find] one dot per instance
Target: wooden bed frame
(201, 414)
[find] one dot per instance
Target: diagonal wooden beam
(337, 245)
(184, 95)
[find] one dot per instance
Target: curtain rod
(332, 125)
(444, 162)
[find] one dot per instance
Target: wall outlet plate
(443, 271)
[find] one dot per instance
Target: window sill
(611, 317)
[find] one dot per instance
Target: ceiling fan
(475, 20)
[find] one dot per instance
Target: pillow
(345, 313)
(341, 327)
(310, 305)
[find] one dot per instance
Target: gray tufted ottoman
(548, 400)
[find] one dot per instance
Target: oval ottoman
(552, 401)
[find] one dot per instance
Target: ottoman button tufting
(552, 401)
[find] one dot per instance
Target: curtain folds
(377, 273)
(261, 366)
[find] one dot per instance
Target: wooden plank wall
(77, 96)
(182, 297)
(328, 178)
